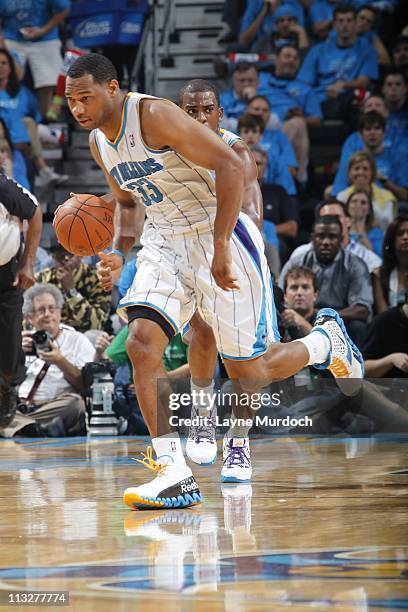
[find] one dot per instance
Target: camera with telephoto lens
(41, 340)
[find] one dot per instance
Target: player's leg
(201, 444)
(174, 484)
(154, 305)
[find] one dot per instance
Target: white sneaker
(173, 487)
(237, 460)
(201, 444)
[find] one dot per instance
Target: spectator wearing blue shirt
(392, 168)
(393, 138)
(259, 19)
(294, 102)
(30, 29)
(286, 30)
(340, 65)
(395, 90)
(245, 83)
(250, 128)
(365, 21)
(259, 105)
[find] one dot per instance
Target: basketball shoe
(201, 444)
(345, 360)
(173, 487)
(237, 460)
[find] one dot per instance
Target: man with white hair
(50, 400)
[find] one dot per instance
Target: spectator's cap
(285, 10)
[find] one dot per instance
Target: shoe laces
(150, 463)
(237, 456)
(204, 432)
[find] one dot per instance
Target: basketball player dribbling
(199, 251)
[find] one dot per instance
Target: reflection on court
(323, 525)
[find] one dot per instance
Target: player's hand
(24, 278)
(109, 269)
(400, 361)
(221, 267)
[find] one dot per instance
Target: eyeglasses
(43, 310)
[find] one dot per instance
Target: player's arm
(165, 124)
(252, 203)
(128, 223)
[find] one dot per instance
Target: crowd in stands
(307, 71)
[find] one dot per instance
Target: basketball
(84, 224)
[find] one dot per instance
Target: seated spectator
(50, 400)
(400, 53)
(343, 278)
(259, 19)
(385, 349)
(19, 109)
(395, 92)
(36, 42)
(365, 21)
(362, 174)
(391, 280)
(278, 207)
(86, 305)
(18, 159)
(244, 86)
(260, 105)
(300, 293)
(250, 128)
(272, 138)
(393, 137)
(285, 31)
(391, 164)
(294, 102)
(363, 228)
(321, 17)
(338, 209)
(338, 66)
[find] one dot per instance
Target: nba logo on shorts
(132, 140)
(173, 446)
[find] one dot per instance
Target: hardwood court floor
(324, 526)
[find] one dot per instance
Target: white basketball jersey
(179, 196)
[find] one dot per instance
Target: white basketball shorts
(174, 278)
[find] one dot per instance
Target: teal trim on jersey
(153, 307)
(274, 316)
(251, 357)
(122, 127)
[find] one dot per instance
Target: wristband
(119, 252)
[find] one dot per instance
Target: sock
(318, 346)
(238, 431)
(201, 403)
(168, 446)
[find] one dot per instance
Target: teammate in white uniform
(199, 252)
(200, 99)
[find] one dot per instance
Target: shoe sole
(234, 479)
(133, 500)
(337, 363)
(203, 464)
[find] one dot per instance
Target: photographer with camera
(50, 396)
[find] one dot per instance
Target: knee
(141, 348)
(295, 126)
